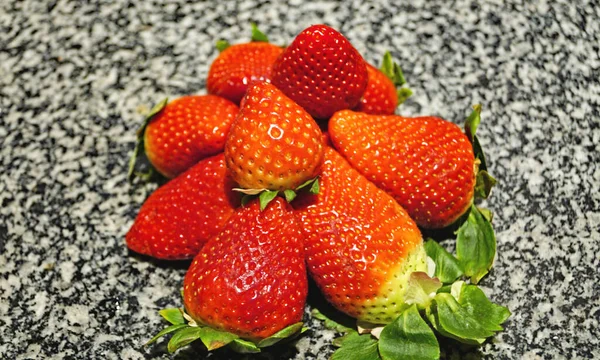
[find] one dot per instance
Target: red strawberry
(179, 134)
(382, 96)
(361, 246)
(321, 71)
(250, 279)
(273, 144)
(425, 163)
(239, 65)
(179, 217)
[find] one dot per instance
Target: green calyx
(257, 36)
(393, 71)
(484, 182)
(461, 312)
(185, 330)
(265, 196)
(138, 151)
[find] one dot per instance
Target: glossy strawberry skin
(321, 71)
(425, 163)
(358, 241)
(179, 217)
(187, 130)
(380, 96)
(273, 143)
(250, 279)
(239, 65)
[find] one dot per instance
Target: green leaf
(173, 315)
(266, 197)
(451, 320)
(184, 337)
(476, 245)
(472, 122)
(315, 188)
(306, 184)
(139, 146)
(484, 184)
(244, 346)
(471, 125)
(487, 214)
(222, 45)
(408, 337)
(166, 331)
(290, 195)
(357, 347)
(330, 324)
(403, 94)
(480, 308)
(447, 267)
(281, 334)
(421, 289)
(258, 35)
(392, 70)
(214, 339)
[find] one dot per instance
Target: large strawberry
(179, 217)
(321, 71)
(241, 64)
(250, 279)
(178, 134)
(384, 92)
(425, 163)
(273, 144)
(361, 246)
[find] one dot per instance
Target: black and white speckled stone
(75, 76)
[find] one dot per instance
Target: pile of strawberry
(314, 175)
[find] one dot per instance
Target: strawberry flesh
(250, 279)
(179, 217)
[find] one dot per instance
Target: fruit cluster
(295, 164)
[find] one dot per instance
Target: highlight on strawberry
(273, 146)
(247, 288)
(241, 64)
(176, 135)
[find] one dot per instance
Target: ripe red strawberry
(380, 95)
(383, 95)
(321, 71)
(425, 163)
(250, 279)
(180, 216)
(273, 144)
(361, 246)
(239, 65)
(177, 135)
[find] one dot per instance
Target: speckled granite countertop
(75, 77)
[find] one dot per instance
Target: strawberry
(250, 279)
(273, 144)
(381, 95)
(239, 65)
(180, 216)
(425, 163)
(361, 246)
(177, 135)
(321, 71)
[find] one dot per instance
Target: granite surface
(76, 77)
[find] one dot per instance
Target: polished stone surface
(75, 78)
